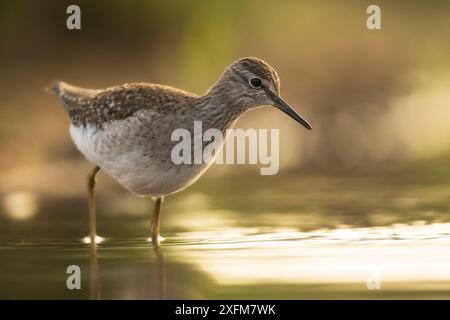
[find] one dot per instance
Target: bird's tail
(71, 96)
(55, 88)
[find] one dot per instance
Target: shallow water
(338, 238)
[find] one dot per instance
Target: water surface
(318, 238)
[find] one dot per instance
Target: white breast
(117, 152)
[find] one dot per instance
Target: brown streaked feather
(221, 104)
(70, 95)
(260, 68)
(87, 106)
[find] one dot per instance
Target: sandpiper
(126, 130)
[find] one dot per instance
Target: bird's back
(96, 107)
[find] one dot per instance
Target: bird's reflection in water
(157, 275)
(161, 279)
(94, 273)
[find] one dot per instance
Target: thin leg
(91, 179)
(156, 220)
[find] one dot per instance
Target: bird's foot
(157, 241)
(97, 239)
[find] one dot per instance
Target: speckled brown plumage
(119, 102)
(96, 107)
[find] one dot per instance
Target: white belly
(117, 151)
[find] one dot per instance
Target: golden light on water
(20, 205)
(97, 239)
(399, 253)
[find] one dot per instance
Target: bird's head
(251, 82)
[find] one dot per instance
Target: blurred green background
(378, 100)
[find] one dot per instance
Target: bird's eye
(255, 82)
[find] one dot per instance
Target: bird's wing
(87, 106)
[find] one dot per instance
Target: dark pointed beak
(283, 106)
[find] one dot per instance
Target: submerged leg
(156, 220)
(91, 179)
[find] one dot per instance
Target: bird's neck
(219, 107)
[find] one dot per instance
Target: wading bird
(126, 130)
